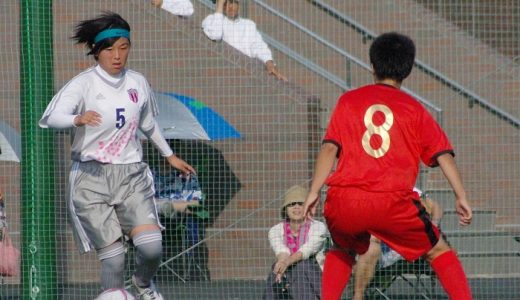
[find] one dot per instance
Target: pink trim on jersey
(113, 148)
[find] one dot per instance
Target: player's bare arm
(450, 170)
(180, 165)
(324, 164)
(90, 118)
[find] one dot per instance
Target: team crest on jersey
(132, 93)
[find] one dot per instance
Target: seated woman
(298, 244)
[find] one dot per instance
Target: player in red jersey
(378, 135)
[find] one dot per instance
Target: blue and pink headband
(111, 33)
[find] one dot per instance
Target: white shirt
(314, 246)
(125, 103)
(182, 8)
(240, 33)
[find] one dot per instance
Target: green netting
(467, 75)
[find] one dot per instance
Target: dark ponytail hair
(86, 31)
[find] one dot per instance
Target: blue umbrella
(183, 117)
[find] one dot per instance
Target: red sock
(451, 275)
(336, 273)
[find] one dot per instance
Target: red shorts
(402, 223)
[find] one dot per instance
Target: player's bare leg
(449, 271)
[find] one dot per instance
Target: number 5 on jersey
(120, 118)
(379, 130)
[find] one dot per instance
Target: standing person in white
(111, 189)
(226, 24)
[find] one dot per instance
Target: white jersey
(125, 103)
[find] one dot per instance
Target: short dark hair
(86, 31)
(392, 56)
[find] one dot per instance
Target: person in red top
(379, 134)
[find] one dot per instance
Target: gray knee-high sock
(112, 266)
(148, 256)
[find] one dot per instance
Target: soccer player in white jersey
(111, 189)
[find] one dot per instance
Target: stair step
(487, 253)
(444, 197)
(491, 266)
(484, 244)
(482, 220)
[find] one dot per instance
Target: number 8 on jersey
(380, 130)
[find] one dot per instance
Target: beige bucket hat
(296, 193)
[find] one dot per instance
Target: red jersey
(381, 133)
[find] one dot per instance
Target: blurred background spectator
(226, 24)
(182, 8)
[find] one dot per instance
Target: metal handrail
(345, 54)
(336, 80)
(316, 68)
(452, 84)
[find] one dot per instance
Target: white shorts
(107, 201)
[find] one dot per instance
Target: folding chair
(182, 229)
(179, 241)
(413, 273)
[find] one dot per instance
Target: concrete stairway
(486, 146)
(485, 250)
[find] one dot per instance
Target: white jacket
(182, 8)
(240, 33)
(315, 244)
